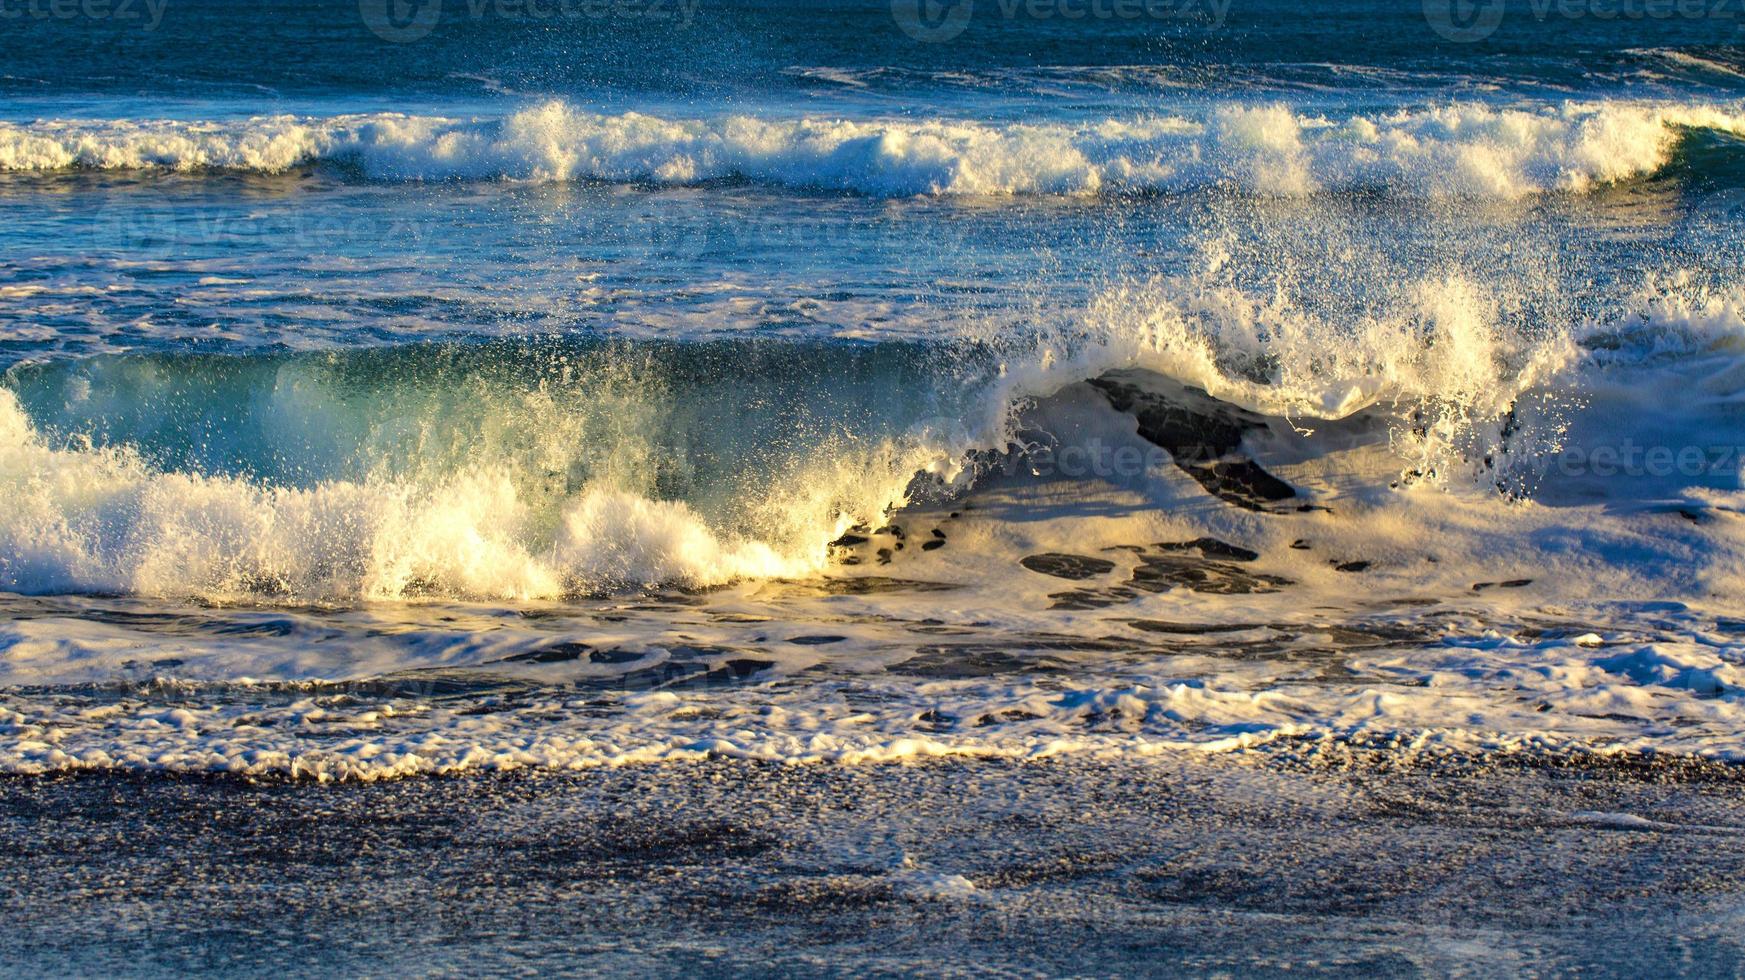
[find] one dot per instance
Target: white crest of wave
(1439, 340)
(1677, 314)
(1460, 376)
(84, 519)
(1465, 150)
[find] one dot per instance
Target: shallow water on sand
(1325, 864)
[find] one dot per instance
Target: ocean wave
(538, 469)
(1078, 81)
(1459, 150)
(502, 471)
(1714, 61)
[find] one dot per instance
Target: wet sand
(1322, 861)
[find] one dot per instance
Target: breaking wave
(529, 469)
(1460, 150)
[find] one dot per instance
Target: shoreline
(1179, 864)
(1301, 753)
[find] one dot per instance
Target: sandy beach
(1318, 862)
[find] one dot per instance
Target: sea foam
(1461, 150)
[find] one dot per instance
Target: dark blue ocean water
(267, 55)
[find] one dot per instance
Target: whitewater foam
(463, 472)
(1462, 150)
(1479, 692)
(100, 520)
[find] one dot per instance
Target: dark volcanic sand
(1334, 862)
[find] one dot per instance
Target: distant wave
(1457, 150)
(1713, 61)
